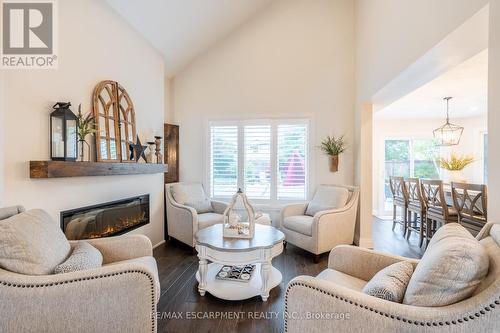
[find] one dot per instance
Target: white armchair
(120, 296)
(189, 209)
(327, 228)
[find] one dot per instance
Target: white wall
(494, 113)
(169, 100)
(94, 44)
(295, 59)
(470, 144)
(390, 36)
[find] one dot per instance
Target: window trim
(273, 122)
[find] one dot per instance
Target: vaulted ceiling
(183, 29)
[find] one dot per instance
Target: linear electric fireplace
(107, 219)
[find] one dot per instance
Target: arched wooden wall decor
(115, 122)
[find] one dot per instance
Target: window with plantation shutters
(257, 163)
(291, 162)
(223, 161)
(268, 159)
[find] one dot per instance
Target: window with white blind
(291, 164)
(224, 160)
(268, 159)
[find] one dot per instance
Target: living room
(217, 168)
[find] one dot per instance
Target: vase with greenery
(85, 127)
(454, 164)
(333, 147)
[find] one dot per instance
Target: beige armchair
(189, 213)
(326, 228)
(120, 296)
(333, 301)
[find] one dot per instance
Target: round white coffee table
(260, 250)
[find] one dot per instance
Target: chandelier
(448, 134)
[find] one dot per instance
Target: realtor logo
(28, 34)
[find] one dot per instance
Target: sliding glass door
(408, 157)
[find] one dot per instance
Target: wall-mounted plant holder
(333, 147)
(334, 163)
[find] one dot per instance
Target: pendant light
(448, 134)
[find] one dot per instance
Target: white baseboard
(160, 243)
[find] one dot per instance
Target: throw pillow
(84, 256)
(326, 198)
(32, 243)
(450, 270)
(7, 212)
(391, 282)
(192, 195)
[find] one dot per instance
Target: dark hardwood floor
(182, 309)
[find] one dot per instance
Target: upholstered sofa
(327, 227)
(189, 209)
(334, 302)
(119, 296)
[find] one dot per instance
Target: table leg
(202, 271)
(265, 268)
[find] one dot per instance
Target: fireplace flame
(122, 224)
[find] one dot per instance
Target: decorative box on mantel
(233, 225)
(60, 169)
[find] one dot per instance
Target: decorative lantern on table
(233, 225)
(63, 133)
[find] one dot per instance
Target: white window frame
(273, 201)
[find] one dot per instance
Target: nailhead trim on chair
(153, 301)
(409, 321)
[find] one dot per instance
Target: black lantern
(63, 133)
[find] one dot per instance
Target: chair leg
(393, 216)
(421, 229)
(408, 225)
(284, 244)
(316, 258)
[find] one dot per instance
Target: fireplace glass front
(107, 219)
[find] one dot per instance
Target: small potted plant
(454, 166)
(85, 126)
(333, 147)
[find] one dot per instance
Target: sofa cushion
(342, 279)
(390, 283)
(208, 219)
(32, 243)
(192, 195)
(84, 256)
(326, 198)
(300, 223)
(453, 266)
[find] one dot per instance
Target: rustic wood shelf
(60, 169)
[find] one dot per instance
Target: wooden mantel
(60, 169)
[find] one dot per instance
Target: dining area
(421, 206)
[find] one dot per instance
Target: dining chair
(417, 211)
(437, 211)
(470, 202)
(399, 199)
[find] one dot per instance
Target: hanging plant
(333, 147)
